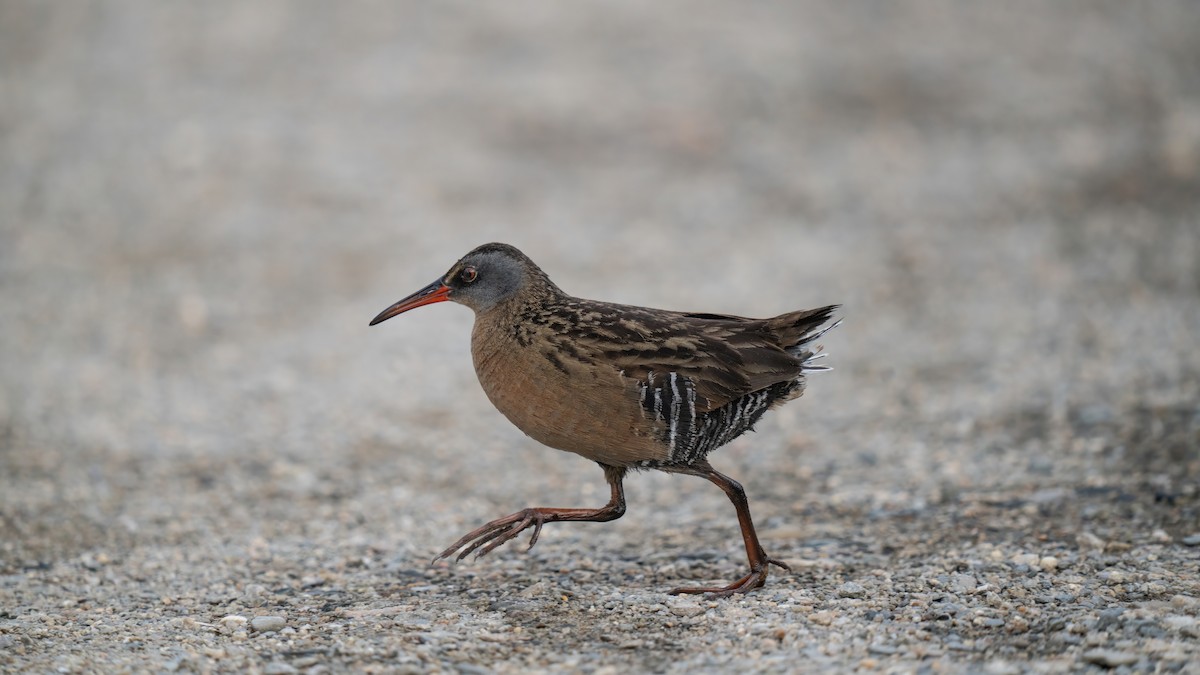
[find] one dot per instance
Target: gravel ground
(209, 463)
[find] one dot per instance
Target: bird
(630, 388)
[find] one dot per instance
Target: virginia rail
(627, 387)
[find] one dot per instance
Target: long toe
(471, 540)
(492, 535)
(755, 579)
(496, 539)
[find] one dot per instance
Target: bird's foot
(755, 579)
(496, 533)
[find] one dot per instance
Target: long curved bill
(435, 292)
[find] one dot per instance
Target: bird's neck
(497, 337)
(512, 325)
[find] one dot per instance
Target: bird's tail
(798, 330)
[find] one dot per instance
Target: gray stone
(267, 624)
(1110, 658)
(883, 650)
(851, 589)
(1109, 618)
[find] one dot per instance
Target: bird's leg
(758, 558)
(495, 533)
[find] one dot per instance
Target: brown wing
(722, 357)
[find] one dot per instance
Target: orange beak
(435, 292)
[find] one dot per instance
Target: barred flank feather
(669, 398)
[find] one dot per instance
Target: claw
(485, 539)
(491, 539)
(537, 532)
(500, 538)
(755, 579)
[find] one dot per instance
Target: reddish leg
(759, 560)
(495, 533)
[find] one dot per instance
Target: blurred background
(202, 205)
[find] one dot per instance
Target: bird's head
(484, 278)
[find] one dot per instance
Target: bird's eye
(468, 275)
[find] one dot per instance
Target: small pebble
(535, 590)
(1029, 559)
(687, 609)
(1191, 540)
(882, 650)
(279, 668)
(1048, 563)
(851, 590)
(963, 583)
(1002, 667)
(1182, 624)
(254, 591)
(1109, 618)
(1110, 658)
(1089, 542)
(232, 622)
(821, 618)
(267, 624)
(1185, 602)
(761, 628)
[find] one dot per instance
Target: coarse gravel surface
(209, 463)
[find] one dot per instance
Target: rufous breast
(589, 409)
